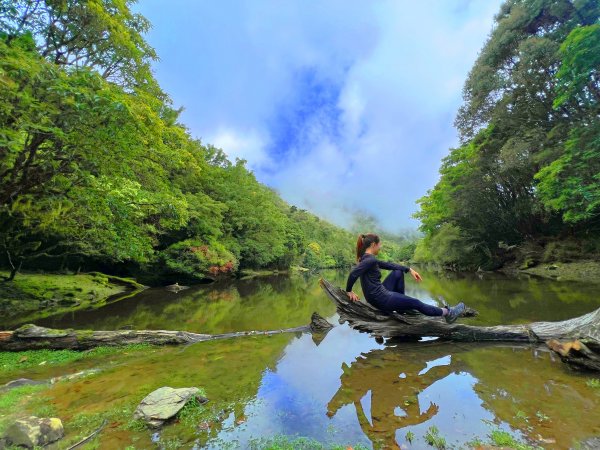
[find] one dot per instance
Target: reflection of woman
(389, 295)
(395, 377)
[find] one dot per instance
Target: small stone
(204, 426)
(33, 431)
(164, 403)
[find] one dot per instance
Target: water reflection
(285, 301)
(348, 389)
(392, 380)
(264, 303)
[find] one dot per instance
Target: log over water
(31, 337)
(583, 333)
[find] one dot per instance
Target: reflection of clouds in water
(367, 390)
(443, 361)
(292, 398)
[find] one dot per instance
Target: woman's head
(367, 241)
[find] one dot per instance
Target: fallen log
(32, 337)
(364, 317)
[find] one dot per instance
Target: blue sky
(341, 106)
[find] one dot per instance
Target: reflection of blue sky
(292, 399)
(339, 105)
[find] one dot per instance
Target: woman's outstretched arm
(392, 266)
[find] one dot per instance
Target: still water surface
(345, 389)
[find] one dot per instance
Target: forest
(96, 171)
(526, 174)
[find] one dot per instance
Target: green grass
(433, 438)
(193, 411)
(476, 442)
(17, 361)
(12, 399)
(282, 442)
(504, 439)
(593, 383)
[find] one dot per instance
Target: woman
(389, 295)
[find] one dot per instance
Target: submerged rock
(589, 444)
(164, 403)
(20, 382)
(176, 287)
(33, 432)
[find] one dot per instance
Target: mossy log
(32, 337)
(580, 336)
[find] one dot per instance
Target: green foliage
(192, 412)
(95, 168)
(197, 260)
(504, 439)
(571, 183)
(433, 438)
(11, 398)
(593, 383)
(449, 247)
(529, 162)
(580, 67)
(282, 442)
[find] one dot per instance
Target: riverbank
(32, 296)
(587, 271)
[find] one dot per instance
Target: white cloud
(249, 145)
(398, 67)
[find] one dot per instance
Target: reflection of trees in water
(506, 299)
(527, 389)
(394, 376)
(258, 304)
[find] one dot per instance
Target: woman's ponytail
(364, 242)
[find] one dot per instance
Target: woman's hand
(415, 275)
(353, 296)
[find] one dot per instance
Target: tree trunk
(31, 337)
(581, 333)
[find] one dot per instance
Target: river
(346, 389)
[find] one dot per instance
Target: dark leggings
(400, 302)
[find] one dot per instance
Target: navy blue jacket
(370, 277)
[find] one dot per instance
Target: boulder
(33, 432)
(164, 403)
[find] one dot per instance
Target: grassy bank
(586, 271)
(31, 296)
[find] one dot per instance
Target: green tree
(528, 162)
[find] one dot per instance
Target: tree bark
(32, 337)
(581, 334)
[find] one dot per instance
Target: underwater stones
(32, 432)
(176, 287)
(589, 444)
(164, 403)
(20, 382)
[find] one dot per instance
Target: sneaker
(454, 312)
